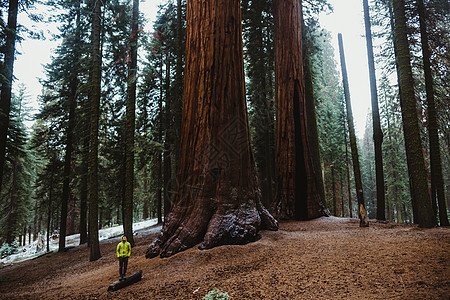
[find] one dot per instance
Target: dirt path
(327, 258)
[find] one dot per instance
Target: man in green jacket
(123, 252)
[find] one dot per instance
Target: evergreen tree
(414, 154)
(355, 157)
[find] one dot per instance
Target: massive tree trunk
(130, 128)
(377, 133)
(296, 193)
(6, 79)
(437, 181)
(353, 146)
(217, 199)
(94, 100)
(411, 131)
(178, 97)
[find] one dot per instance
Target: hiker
(123, 252)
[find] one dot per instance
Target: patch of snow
(32, 250)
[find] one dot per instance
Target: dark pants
(123, 263)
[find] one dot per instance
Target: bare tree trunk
(130, 128)
(217, 199)
(296, 192)
(159, 161)
(437, 181)
(413, 143)
(84, 185)
(351, 129)
(94, 99)
(347, 163)
(392, 21)
(377, 133)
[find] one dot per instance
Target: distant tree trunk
(94, 99)
(167, 172)
(347, 164)
(84, 184)
(413, 143)
(68, 162)
(146, 206)
(35, 219)
(333, 188)
(353, 146)
(377, 133)
(6, 78)
(217, 199)
(159, 161)
(11, 214)
(49, 211)
(296, 193)
(130, 128)
(437, 181)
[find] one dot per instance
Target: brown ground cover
(326, 258)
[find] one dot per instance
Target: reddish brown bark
(297, 195)
(217, 198)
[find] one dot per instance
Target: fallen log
(117, 285)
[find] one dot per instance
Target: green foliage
(9, 249)
(331, 121)
(19, 176)
(216, 294)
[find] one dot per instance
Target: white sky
(347, 19)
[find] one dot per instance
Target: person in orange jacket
(123, 252)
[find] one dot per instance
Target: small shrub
(7, 249)
(215, 294)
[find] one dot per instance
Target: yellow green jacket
(123, 249)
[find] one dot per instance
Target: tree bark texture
(6, 80)
(411, 131)
(392, 25)
(353, 146)
(130, 129)
(347, 166)
(94, 100)
(217, 198)
(296, 193)
(136, 277)
(377, 133)
(437, 181)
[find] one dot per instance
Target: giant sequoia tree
(296, 192)
(217, 199)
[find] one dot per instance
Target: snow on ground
(32, 250)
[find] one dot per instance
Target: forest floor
(326, 258)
